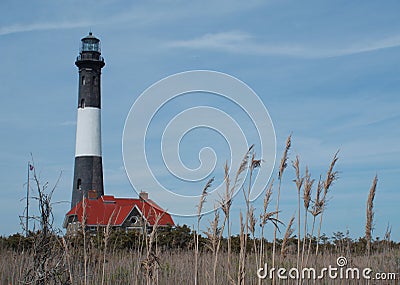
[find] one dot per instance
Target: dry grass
(176, 267)
(210, 258)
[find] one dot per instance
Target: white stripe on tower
(88, 132)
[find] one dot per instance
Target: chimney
(92, 194)
(143, 196)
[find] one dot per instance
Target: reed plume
(288, 234)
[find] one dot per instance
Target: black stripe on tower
(88, 175)
(89, 87)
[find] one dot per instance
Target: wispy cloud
(138, 14)
(19, 28)
(244, 43)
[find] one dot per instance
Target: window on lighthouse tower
(79, 184)
(82, 103)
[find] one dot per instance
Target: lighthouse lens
(90, 46)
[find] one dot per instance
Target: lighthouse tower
(88, 172)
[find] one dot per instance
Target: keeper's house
(126, 214)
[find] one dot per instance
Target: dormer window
(134, 220)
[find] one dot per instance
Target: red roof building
(118, 213)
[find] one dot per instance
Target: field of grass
(176, 266)
(183, 255)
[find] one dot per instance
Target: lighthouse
(88, 170)
(89, 206)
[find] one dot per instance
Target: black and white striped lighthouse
(88, 172)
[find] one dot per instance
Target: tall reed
(226, 202)
(264, 218)
(370, 214)
(249, 224)
(105, 240)
(85, 250)
(316, 210)
(331, 177)
(213, 241)
(242, 253)
(307, 189)
(197, 234)
(299, 182)
(282, 167)
(152, 261)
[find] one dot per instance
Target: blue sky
(328, 72)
